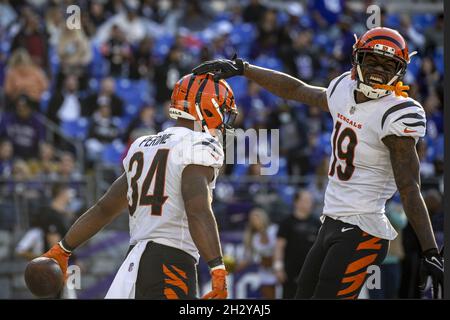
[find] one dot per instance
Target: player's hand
(219, 285)
(432, 265)
(61, 256)
(221, 68)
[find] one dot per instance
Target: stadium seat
(45, 98)
(163, 44)
(112, 153)
(439, 61)
(422, 21)
(77, 129)
(97, 66)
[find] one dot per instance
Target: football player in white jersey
(167, 188)
(376, 128)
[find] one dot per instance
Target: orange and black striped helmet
(386, 42)
(199, 97)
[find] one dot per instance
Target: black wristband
(215, 262)
(430, 252)
(65, 246)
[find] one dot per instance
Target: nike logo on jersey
(406, 130)
(346, 229)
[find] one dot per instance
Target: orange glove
(219, 285)
(61, 256)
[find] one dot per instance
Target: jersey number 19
(347, 155)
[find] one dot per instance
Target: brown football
(44, 277)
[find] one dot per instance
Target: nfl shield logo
(352, 110)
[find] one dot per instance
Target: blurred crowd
(110, 81)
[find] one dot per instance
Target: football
(44, 277)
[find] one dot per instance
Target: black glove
(221, 68)
(432, 265)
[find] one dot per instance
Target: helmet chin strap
(200, 116)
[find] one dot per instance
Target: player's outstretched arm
(279, 83)
(113, 202)
(406, 168)
(202, 224)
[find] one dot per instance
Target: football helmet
(386, 42)
(201, 98)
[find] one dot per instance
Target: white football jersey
(361, 179)
(154, 165)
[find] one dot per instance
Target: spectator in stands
(254, 104)
(344, 43)
(150, 9)
(106, 95)
(143, 124)
(426, 166)
(221, 45)
(23, 76)
(7, 16)
(97, 13)
(259, 242)
(54, 23)
(23, 129)
(325, 13)
(32, 243)
(195, 16)
(103, 129)
(391, 266)
(48, 226)
(414, 38)
(254, 11)
(295, 237)
(127, 21)
(293, 138)
(434, 201)
(268, 34)
(319, 183)
(46, 165)
(6, 158)
(142, 63)
(67, 170)
(19, 185)
(302, 58)
(65, 104)
(74, 52)
(88, 26)
(33, 38)
(70, 174)
(168, 73)
(428, 76)
(172, 17)
(118, 52)
(434, 36)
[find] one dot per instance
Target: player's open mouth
(376, 79)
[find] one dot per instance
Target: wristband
(212, 264)
(63, 244)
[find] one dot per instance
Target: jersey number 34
(347, 155)
(140, 194)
